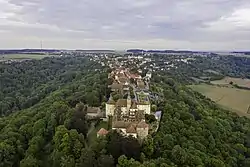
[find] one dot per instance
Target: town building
(102, 132)
(94, 112)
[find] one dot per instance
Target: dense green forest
(52, 131)
(25, 84)
(31, 136)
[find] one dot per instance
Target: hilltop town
(129, 101)
(127, 113)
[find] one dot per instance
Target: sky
(221, 25)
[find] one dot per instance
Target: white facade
(123, 130)
(145, 107)
(124, 110)
(132, 134)
(110, 108)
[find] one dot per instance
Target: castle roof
(131, 128)
(142, 124)
(93, 110)
(116, 86)
(122, 102)
(120, 124)
(102, 132)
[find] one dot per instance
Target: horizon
(153, 24)
(122, 50)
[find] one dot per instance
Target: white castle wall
(110, 110)
(146, 108)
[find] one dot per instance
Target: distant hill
(136, 50)
(159, 51)
(243, 52)
(96, 51)
(20, 51)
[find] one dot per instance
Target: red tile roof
(131, 128)
(102, 132)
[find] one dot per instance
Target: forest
(25, 84)
(51, 131)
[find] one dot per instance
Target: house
(93, 112)
(102, 132)
(116, 87)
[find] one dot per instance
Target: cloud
(161, 24)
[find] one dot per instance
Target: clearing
(237, 100)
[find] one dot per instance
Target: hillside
(52, 131)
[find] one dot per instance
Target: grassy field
(239, 81)
(238, 100)
(22, 56)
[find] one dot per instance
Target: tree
(124, 162)
(35, 145)
(29, 161)
(87, 158)
(105, 161)
(150, 118)
(60, 132)
(212, 162)
(7, 154)
(78, 121)
(179, 155)
(39, 127)
(148, 146)
(65, 146)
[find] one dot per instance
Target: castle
(126, 106)
(128, 116)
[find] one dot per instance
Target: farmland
(237, 100)
(22, 56)
(239, 81)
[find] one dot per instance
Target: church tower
(128, 102)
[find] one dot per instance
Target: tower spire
(129, 97)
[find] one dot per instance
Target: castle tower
(142, 130)
(110, 107)
(128, 102)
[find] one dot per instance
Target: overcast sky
(122, 24)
